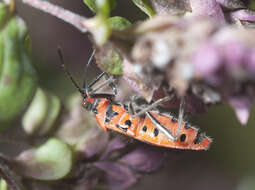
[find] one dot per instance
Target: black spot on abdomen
(110, 113)
(182, 137)
(155, 132)
(128, 123)
(144, 128)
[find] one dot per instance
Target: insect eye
(86, 105)
(182, 137)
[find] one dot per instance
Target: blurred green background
(228, 164)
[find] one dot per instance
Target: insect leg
(153, 105)
(160, 127)
(131, 109)
(108, 81)
(107, 77)
(107, 96)
(112, 85)
(132, 106)
(96, 80)
(86, 69)
(180, 117)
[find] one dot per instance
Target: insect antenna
(67, 71)
(84, 86)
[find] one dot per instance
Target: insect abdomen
(148, 132)
(115, 117)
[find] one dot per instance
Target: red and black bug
(154, 127)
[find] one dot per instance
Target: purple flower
(207, 7)
(144, 158)
(120, 171)
(234, 53)
(118, 176)
(95, 144)
(232, 4)
(207, 59)
(251, 60)
(244, 15)
(113, 145)
(226, 56)
(242, 106)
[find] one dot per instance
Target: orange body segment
(115, 116)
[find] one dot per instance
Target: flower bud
(80, 130)
(108, 58)
(50, 161)
(99, 25)
(17, 77)
(3, 185)
(4, 14)
(41, 114)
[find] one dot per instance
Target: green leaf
(4, 14)
(36, 113)
(109, 60)
(50, 161)
(3, 185)
(57, 155)
(28, 44)
(145, 6)
(103, 8)
(41, 114)
(6, 11)
(92, 4)
(17, 76)
(119, 23)
(54, 109)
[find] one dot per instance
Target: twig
(8, 175)
(59, 12)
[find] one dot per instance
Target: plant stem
(59, 12)
(8, 175)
